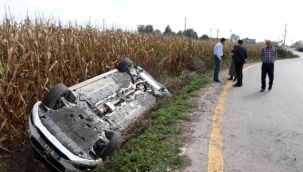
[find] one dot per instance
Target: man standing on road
(218, 54)
(268, 57)
(240, 57)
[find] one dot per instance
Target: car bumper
(52, 150)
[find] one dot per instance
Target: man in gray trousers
(218, 54)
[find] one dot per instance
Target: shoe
(269, 88)
(262, 90)
(230, 78)
(217, 81)
(237, 85)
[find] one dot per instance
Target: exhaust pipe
(150, 81)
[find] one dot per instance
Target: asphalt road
(263, 132)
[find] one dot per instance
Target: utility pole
(103, 25)
(285, 34)
(217, 34)
(231, 32)
(185, 24)
(210, 34)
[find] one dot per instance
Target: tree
(190, 33)
(145, 28)
(180, 33)
(158, 32)
(298, 44)
(141, 28)
(234, 37)
(204, 37)
(149, 29)
(168, 30)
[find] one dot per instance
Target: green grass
(283, 53)
(155, 143)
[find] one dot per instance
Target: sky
(257, 19)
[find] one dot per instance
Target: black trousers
(267, 69)
(239, 68)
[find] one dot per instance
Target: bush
(204, 37)
(285, 53)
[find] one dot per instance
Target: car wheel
(126, 63)
(51, 99)
(115, 142)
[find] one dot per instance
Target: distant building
(249, 41)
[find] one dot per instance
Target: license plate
(49, 150)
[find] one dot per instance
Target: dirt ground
(22, 161)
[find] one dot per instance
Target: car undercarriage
(75, 128)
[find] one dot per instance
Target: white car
(75, 128)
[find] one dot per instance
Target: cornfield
(35, 56)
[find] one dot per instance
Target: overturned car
(74, 128)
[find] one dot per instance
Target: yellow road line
(215, 153)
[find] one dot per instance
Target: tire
(52, 98)
(115, 142)
(126, 63)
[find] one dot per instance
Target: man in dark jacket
(239, 57)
